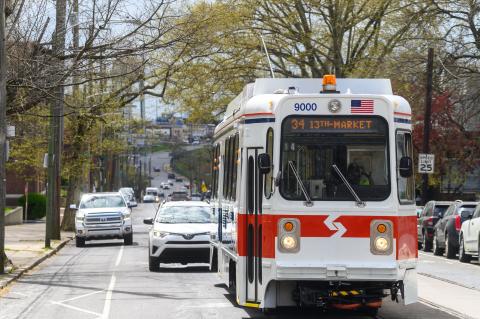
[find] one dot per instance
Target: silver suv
(103, 216)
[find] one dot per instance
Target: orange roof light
(329, 79)
(329, 84)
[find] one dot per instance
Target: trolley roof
(276, 89)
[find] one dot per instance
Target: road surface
(109, 280)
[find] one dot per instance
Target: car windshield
(153, 193)
(356, 145)
(440, 210)
(467, 208)
(184, 215)
(99, 201)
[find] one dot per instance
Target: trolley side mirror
(406, 167)
(264, 164)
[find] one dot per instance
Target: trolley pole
(426, 121)
(3, 134)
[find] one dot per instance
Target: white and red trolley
(314, 195)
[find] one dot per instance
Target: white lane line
(76, 308)
(119, 257)
(82, 296)
(18, 293)
(108, 298)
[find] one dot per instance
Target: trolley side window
(405, 185)
(226, 168)
(215, 163)
(269, 176)
(235, 159)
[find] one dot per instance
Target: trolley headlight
(289, 242)
(381, 237)
(381, 244)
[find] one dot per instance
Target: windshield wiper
(308, 202)
(359, 202)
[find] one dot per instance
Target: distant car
(156, 169)
(447, 229)
(179, 196)
(102, 216)
(196, 197)
(179, 180)
(430, 215)
(149, 198)
(165, 186)
(470, 236)
(171, 176)
(171, 181)
(153, 191)
(180, 234)
(196, 142)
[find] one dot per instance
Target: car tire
(79, 241)
(462, 256)
(426, 246)
(437, 251)
(128, 239)
(450, 252)
(153, 263)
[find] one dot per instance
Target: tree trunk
(68, 222)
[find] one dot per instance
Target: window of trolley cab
(358, 145)
(405, 185)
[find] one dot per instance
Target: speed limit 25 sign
(426, 163)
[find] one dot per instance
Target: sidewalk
(455, 299)
(24, 246)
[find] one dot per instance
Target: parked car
(179, 196)
(470, 236)
(179, 180)
(129, 195)
(430, 215)
(156, 169)
(447, 229)
(196, 142)
(180, 234)
(102, 216)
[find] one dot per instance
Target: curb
(21, 271)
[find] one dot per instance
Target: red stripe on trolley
(400, 113)
(404, 228)
(256, 114)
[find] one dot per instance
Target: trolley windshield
(358, 145)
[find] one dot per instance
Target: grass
(7, 210)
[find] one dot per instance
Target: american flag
(362, 107)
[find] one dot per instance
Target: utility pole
(426, 121)
(56, 128)
(3, 133)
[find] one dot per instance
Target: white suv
(103, 216)
(180, 233)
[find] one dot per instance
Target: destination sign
(319, 124)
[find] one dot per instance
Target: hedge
(37, 205)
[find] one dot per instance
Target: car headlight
(80, 218)
(381, 244)
(289, 242)
(126, 215)
(160, 234)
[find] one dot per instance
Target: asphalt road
(109, 280)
